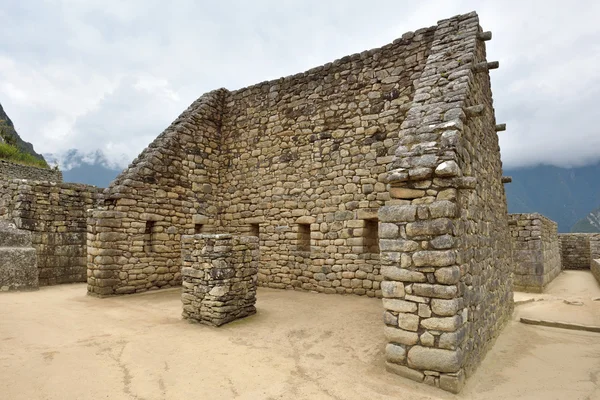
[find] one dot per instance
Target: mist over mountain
(90, 168)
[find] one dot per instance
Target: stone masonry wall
(445, 243)
(9, 170)
(310, 151)
(595, 268)
(134, 238)
(575, 250)
(377, 174)
(56, 215)
(219, 277)
(535, 251)
(18, 267)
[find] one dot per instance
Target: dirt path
(58, 343)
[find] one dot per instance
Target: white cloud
(110, 75)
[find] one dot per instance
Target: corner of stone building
(428, 240)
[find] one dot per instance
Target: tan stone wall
(9, 170)
(575, 250)
(535, 251)
(313, 149)
(134, 238)
(56, 214)
(595, 267)
(447, 283)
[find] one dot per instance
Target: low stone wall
(219, 277)
(18, 268)
(595, 267)
(56, 215)
(535, 251)
(578, 249)
(9, 170)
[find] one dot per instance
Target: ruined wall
(219, 277)
(134, 238)
(579, 249)
(9, 170)
(445, 245)
(535, 251)
(304, 161)
(56, 215)
(595, 268)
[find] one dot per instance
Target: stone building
(55, 215)
(378, 174)
(536, 258)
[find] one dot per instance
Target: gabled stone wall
(378, 174)
(535, 251)
(310, 151)
(9, 170)
(134, 238)
(446, 271)
(56, 216)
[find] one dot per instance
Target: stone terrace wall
(219, 277)
(305, 159)
(535, 251)
(134, 239)
(445, 245)
(56, 215)
(9, 170)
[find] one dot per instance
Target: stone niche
(219, 277)
(535, 251)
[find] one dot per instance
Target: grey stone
(428, 358)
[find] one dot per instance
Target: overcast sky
(112, 74)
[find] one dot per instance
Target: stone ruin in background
(378, 174)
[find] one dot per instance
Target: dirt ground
(58, 343)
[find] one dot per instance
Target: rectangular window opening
(303, 237)
(198, 228)
(371, 236)
(148, 233)
(254, 230)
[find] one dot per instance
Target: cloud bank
(110, 75)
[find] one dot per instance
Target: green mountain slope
(15, 149)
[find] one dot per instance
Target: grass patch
(13, 154)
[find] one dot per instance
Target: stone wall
(305, 159)
(380, 166)
(134, 238)
(18, 267)
(445, 242)
(219, 277)
(595, 267)
(578, 249)
(299, 160)
(56, 215)
(536, 257)
(9, 170)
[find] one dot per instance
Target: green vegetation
(10, 152)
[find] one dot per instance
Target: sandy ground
(569, 298)
(58, 343)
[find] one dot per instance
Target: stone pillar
(219, 277)
(18, 266)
